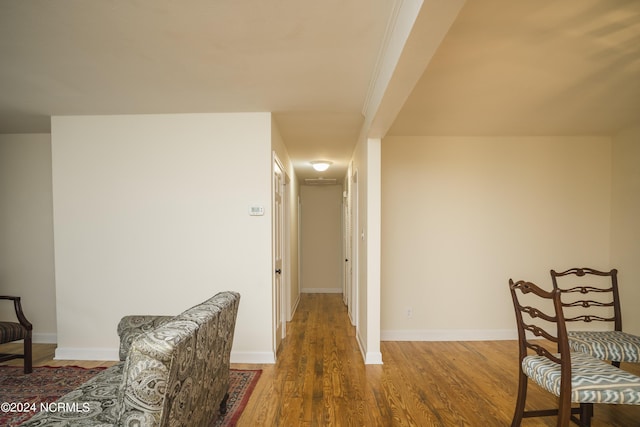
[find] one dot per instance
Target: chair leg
(223, 404)
(586, 412)
(28, 356)
(520, 402)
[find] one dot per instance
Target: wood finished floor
(321, 380)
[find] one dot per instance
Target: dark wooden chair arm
(18, 308)
(15, 333)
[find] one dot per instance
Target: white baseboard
(369, 357)
(70, 353)
(321, 290)
(373, 358)
(449, 335)
(361, 347)
(265, 357)
(293, 310)
(42, 338)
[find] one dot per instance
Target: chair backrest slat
(540, 332)
(589, 295)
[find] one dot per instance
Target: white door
(346, 282)
(278, 228)
(354, 240)
(346, 203)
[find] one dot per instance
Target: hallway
(319, 378)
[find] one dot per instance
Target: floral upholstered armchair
(175, 372)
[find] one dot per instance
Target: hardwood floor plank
(420, 384)
(320, 379)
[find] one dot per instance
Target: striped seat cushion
(616, 346)
(592, 380)
(11, 331)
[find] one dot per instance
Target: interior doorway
(280, 264)
(352, 242)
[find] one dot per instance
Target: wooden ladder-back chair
(591, 297)
(545, 358)
(15, 331)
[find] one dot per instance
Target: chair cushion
(11, 331)
(95, 400)
(592, 380)
(616, 346)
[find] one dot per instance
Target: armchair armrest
(19, 314)
(131, 327)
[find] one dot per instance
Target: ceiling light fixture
(321, 165)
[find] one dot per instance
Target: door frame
(355, 253)
(280, 301)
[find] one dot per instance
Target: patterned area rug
(21, 395)
(241, 384)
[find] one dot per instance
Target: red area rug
(241, 384)
(20, 393)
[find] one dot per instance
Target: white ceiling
(534, 67)
(526, 67)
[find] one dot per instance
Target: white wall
(26, 231)
(625, 224)
(366, 164)
(463, 215)
(372, 239)
(151, 217)
(321, 239)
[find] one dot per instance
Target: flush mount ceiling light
(321, 165)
